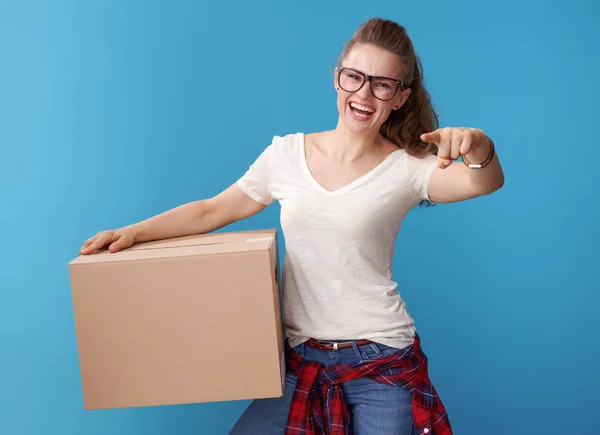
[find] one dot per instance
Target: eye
(384, 85)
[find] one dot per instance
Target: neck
(346, 146)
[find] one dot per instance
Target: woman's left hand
(453, 142)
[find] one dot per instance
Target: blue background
(112, 111)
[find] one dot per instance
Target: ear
(335, 79)
(402, 98)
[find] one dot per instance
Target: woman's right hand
(115, 240)
(196, 217)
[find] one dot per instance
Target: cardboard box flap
(203, 244)
(207, 239)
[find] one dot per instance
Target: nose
(365, 90)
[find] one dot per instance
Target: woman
(354, 359)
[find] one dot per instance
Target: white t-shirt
(336, 277)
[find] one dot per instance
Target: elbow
(500, 181)
(496, 185)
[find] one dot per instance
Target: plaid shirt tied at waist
(318, 405)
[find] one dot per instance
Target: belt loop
(335, 345)
(356, 350)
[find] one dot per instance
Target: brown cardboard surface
(186, 320)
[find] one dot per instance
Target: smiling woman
(354, 357)
(409, 110)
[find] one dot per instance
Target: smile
(361, 111)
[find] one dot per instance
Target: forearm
(491, 177)
(192, 218)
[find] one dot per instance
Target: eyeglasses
(382, 88)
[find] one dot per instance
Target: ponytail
(405, 126)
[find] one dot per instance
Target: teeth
(363, 108)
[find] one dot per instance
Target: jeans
(375, 408)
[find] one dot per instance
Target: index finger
(434, 137)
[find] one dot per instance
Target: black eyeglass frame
(368, 78)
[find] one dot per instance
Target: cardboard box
(186, 320)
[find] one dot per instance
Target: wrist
(481, 156)
(481, 151)
(135, 232)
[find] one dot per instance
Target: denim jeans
(376, 408)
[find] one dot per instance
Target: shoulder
(313, 141)
(281, 150)
(419, 170)
(315, 137)
(286, 143)
(386, 146)
(415, 169)
(416, 162)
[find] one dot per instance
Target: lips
(360, 111)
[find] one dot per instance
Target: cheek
(340, 104)
(384, 110)
(342, 99)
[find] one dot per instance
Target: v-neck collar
(301, 142)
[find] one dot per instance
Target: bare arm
(197, 217)
(454, 181)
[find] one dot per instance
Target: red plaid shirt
(318, 406)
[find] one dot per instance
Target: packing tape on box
(254, 239)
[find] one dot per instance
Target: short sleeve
(421, 169)
(256, 181)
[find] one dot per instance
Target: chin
(360, 126)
